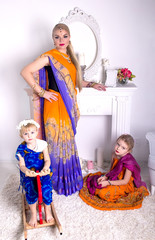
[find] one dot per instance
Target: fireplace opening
(94, 132)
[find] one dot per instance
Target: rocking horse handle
(40, 199)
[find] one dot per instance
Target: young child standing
(120, 188)
(32, 155)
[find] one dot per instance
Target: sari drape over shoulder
(129, 162)
(59, 120)
(120, 197)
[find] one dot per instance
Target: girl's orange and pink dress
(58, 120)
(122, 197)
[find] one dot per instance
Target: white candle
(100, 157)
(81, 59)
(81, 162)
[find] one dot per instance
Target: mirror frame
(76, 15)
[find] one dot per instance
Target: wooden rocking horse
(42, 222)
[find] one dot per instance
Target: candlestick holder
(83, 67)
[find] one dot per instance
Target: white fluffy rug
(78, 220)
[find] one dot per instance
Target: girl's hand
(50, 95)
(99, 180)
(104, 183)
(44, 172)
(30, 173)
(99, 87)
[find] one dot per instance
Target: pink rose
(129, 74)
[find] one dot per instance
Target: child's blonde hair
(26, 124)
(71, 53)
(128, 139)
(24, 128)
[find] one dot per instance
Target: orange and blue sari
(58, 120)
(116, 197)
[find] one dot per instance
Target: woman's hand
(35, 97)
(95, 85)
(50, 95)
(99, 87)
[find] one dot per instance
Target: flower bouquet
(124, 74)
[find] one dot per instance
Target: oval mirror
(84, 43)
(85, 38)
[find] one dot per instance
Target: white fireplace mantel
(115, 101)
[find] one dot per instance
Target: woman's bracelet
(90, 84)
(41, 93)
(109, 182)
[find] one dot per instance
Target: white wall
(128, 40)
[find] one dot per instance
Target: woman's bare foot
(48, 213)
(33, 216)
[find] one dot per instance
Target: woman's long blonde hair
(71, 53)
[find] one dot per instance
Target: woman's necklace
(68, 58)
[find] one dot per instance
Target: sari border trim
(110, 208)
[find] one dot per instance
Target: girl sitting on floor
(120, 188)
(32, 154)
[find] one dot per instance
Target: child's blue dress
(34, 160)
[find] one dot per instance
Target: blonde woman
(55, 107)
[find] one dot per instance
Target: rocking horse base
(54, 221)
